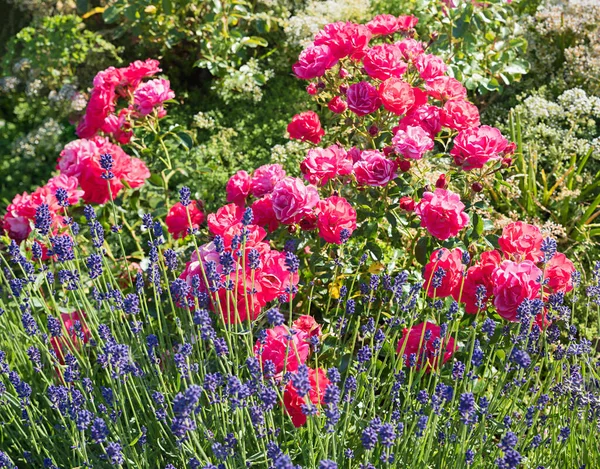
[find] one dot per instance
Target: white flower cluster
(244, 83)
(43, 139)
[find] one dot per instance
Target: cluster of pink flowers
(520, 271)
(366, 76)
(125, 84)
(285, 350)
(280, 199)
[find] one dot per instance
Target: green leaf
(186, 140)
(254, 41)
(422, 250)
(111, 14)
(167, 6)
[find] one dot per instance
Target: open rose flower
(264, 179)
(383, 25)
(445, 88)
(477, 287)
(374, 169)
(410, 49)
(285, 350)
(274, 277)
(413, 142)
(314, 61)
(443, 273)
(397, 95)
(363, 98)
(323, 164)
(306, 127)
(430, 66)
(558, 274)
(264, 215)
(336, 219)
(421, 346)
(294, 403)
(238, 187)
(292, 200)
(177, 220)
(384, 61)
(151, 95)
(442, 213)
(514, 283)
(308, 325)
(459, 114)
(225, 217)
(522, 241)
(474, 147)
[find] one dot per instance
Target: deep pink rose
(513, 283)
(420, 340)
(406, 22)
(443, 273)
(335, 37)
(137, 174)
(522, 241)
(374, 169)
(73, 156)
(151, 95)
(358, 40)
(558, 274)
(314, 61)
(474, 147)
(62, 181)
(226, 217)
(294, 403)
(138, 70)
(337, 105)
(19, 217)
(478, 288)
(292, 200)
(363, 98)
(426, 117)
(264, 179)
(412, 143)
(384, 61)
(430, 66)
(264, 216)
(410, 49)
(308, 325)
(334, 215)
(445, 88)
(238, 305)
(459, 114)
(177, 220)
(306, 126)
(285, 350)
(382, 25)
(442, 213)
(397, 95)
(100, 105)
(274, 277)
(323, 164)
(238, 187)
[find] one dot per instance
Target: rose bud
(343, 89)
(373, 130)
(312, 89)
(506, 162)
(343, 73)
(407, 203)
(387, 151)
(510, 148)
(321, 84)
(337, 105)
(404, 165)
(441, 182)
(477, 187)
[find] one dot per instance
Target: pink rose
(138, 173)
(274, 277)
(119, 126)
(228, 216)
(430, 66)
(443, 273)
(426, 117)
(358, 40)
(334, 216)
(419, 341)
(73, 156)
(513, 283)
(459, 114)
(308, 325)
(522, 241)
(238, 305)
(68, 183)
(294, 404)
(262, 209)
(412, 143)
(177, 220)
(445, 88)
(363, 98)
(264, 179)
(19, 217)
(292, 200)
(410, 49)
(337, 105)
(382, 25)
(314, 61)
(558, 274)
(406, 22)
(477, 287)
(138, 70)
(374, 169)
(442, 213)
(100, 105)
(306, 126)
(384, 61)
(334, 36)
(285, 350)
(397, 95)
(238, 188)
(323, 164)
(474, 147)
(151, 95)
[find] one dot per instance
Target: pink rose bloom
(19, 217)
(363, 98)
(558, 274)
(335, 37)
(427, 117)
(413, 343)
(177, 220)
(445, 88)
(238, 188)
(410, 49)
(306, 127)
(384, 61)
(73, 156)
(474, 147)
(308, 325)
(334, 216)
(286, 351)
(109, 78)
(68, 183)
(522, 241)
(119, 126)
(397, 95)
(294, 404)
(459, 114)
(442, 213)
(151, 95)
(314, 61)
(337, 105)
(406, 22)
(226, 217)
(137, 174)
(478, 275)
(135, 72)
(100, 105)
(264, 179)
(358, 40)
(374, 169)
(382, 25)
(430, 66)
(513, 283)
(443, 273)
(72, 340)
(238, 305)
(323, 164)
(263, 212)
(292, 200)
(274, 277)
(412, 143)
